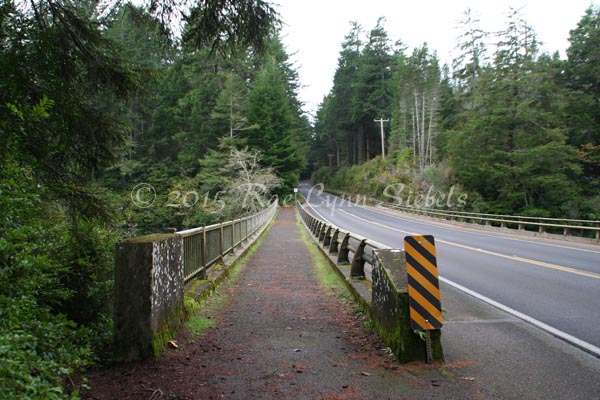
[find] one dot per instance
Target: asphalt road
(557, 283)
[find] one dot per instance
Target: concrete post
(390, 309)
(149, 287)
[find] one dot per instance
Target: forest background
(97, 98)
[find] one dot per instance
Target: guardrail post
(566, 232)
(322, 232)
(244, 224)
(221, 238)
(327, 238)
(316, 228)
(233, 236)
(203, 252)
(542, 229)
(343, 251)
(357, 271)
(334, 244)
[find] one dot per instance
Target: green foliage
(38, 350)
(207, 106)
(269, 108)
(55, 290)
(517, 133)
(230, 24)
(60, 61)
(362, 91)
(583, 111)
(433, 188)
(92, 102)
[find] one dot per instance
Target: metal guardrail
(342, 243)
(203, 247)
(588, 228)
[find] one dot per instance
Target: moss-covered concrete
(155, 237)
(168, 328)
(150, 292)
(390, 309)
(148, 304)
(385, 301)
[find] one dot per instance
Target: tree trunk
(361, 143)
(415, 116)
(429, 144)
(423, 144)
(368, 151)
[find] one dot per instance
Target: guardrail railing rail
(203, 247)
(342, 244)
(587, 228)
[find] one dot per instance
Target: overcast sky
(315, 29)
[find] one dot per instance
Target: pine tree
(511, 146)
(343, 104)
(583, 78)
(269, 109)
(373, 92)
(472, 59)
(229, 112)
(417, 104)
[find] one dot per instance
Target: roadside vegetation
(96, 98)
(99, 97)
(513, 129)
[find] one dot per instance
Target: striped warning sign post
(423, 283)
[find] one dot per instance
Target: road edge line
(580, 344)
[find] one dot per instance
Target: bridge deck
(280, 334)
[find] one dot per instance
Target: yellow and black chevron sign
(423, 283)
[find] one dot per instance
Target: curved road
(553, 282)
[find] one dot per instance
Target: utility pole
(381, 121)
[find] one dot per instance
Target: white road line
(392, 214)
(587, 347)
(583, 345)
(491, 253)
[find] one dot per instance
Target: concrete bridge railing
(571, 229)
(385, 296)
(202, 247)
(581, 230)
(150, 276)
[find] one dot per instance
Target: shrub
(55, 290)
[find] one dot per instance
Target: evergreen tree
(471, 60)
(269, 109)
(373, 92)
(229, 112)
(56, 53)
(343, 105)
(583, 78)
(145, 44)
(417, 100)
(511, 146)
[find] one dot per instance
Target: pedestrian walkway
(281, 335)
